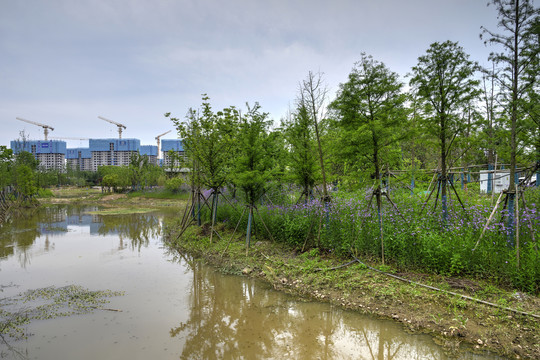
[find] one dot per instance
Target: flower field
(413, 239)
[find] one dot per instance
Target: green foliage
(26, 158)
(6, 164)
(174, 184)
(45, 193)
(115, 178)
(412, 241)
(141, 173)
(444, 80)
(25, 180)
(369, 109)
(208, 138)
(253, 164)
(302, 159)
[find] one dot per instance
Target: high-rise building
(177, 147)
(79, 159)
(51, 154)
(115, 152)
(151, 152)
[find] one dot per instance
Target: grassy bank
(453, 320)
(157, 198)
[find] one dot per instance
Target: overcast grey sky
(64, 62)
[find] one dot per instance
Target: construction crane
(159, 144)
(120, 126)
(45, 127)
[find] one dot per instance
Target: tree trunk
(442, 180)
(513, 115)
(378, 190)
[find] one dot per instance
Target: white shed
(500, 180)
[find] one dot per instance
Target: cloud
(132, 60)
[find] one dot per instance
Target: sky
(65, 62)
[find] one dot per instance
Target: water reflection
(18, 237)
(137, 228)
(240, 318)
(175, 310)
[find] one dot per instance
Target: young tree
(208, 138)
(253, 164)
(444, 80)
(370, 109)
(532, 104)
(6, 164)
(138, 165)
(302, 157)
(517, 55)
(312, 95)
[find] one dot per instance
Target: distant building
(151, 152)
(496, 181)
(51, 154)
(79, 159)
(115, 152)
(175, 145)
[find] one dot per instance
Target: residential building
(79, 159)
(151, 152)
(115, 152)
(51, 154)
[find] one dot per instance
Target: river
(172, 307)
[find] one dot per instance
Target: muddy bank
(454, 321)
(73, 195)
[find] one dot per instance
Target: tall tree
(302, 157)
(370, 108)
(254, 162)
(207, 138)
(444, 79)
(312, 95)
(516, 20)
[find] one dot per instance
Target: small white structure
(500, 180)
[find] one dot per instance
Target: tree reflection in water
(138, 228)
(232, 317)
(18, 236)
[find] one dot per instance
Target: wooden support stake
(266, 227)
(488, 221)
(427, 200)
(234, 232)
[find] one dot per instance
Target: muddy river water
(172, 307)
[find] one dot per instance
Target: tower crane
(120, 126)
(45, 127)
(159, 144)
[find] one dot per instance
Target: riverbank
(455, 321)
(94, 195)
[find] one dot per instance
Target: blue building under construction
(53, 154)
